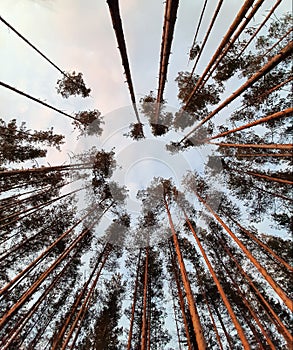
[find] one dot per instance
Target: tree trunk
(252, 145)
(272, 63)
(260, 27)
(270, 312)
(47, 250)
(261, 244)
(134, 302)
(45, 274)
(145, 295)
(246, 303)
(180, 296)
(241, 14)
(286, 113)
(217, 10)
(279, 291)
(220, 288)
(80, 315)
(193, 311)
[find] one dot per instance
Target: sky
(78, 35)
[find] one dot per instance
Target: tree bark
(234, 319)
(193, 311)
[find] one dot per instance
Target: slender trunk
(267, 155)
(273, 194)
(270, 178)
(281, 114)
(202, 290)
(232, 41)
(193, 311)
(217, 10)
(34, 209)
(84, 307)
(279, 291)
(272, 63)
(77, 166)
(117, 25)
(134, 302)
(42, 256)
(37, 100)
(267, 307)
(222, 324)
(175, 318)
(277, 43)
(241, 14)
(180, 297)
(145, 294)
(253, 145)
(220, 288)
(245, 302)
(24, 319)
(261, 244)
(260, 27)
(46, 273)
(59, 337)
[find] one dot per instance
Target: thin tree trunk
(202, 290)
(45, 274)
(231, 42)
(220, 288)
(246, 303)
(253, 145)
(267, 307)
(260, 243)
(37, 100)
(175, 318)
(241, 14)
(22, 322)
(272, 63)
(41, 256)
(84, 307)
(193, 311)
(273, 194)
(145, 294)
(222, 324)
(134, 302)
(267, 155)
(180, 296)
(260, 27)
(59, 337)
(279, 291)
(285, 113)
(217, 10)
